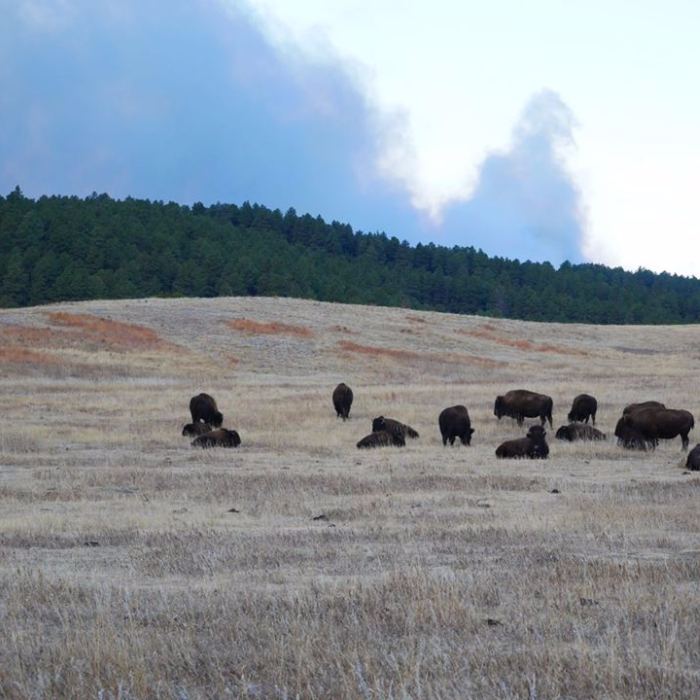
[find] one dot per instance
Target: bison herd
(640, 427)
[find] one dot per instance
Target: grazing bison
(393, 426)
(629, 436)
(203, 408)
(196, 429)
(634, 407)
(454, 423)
(583, 407)
(221, 437)
(693, 461)
(521, 404)
(383, 438)
(532, 446)
(342, 400)
(654, 424)
(576, 431)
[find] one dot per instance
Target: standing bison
(383, 438)
(583, 407)
(393, 426)
(653, 424)
(221, 437)
(521, 404)
(532, 446)
(203, 408)
(342, 400)
(454, 423)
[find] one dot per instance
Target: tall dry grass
(133, 566)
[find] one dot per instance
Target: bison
(577, 431)
(532, 446)
(454, 423)
(693, 461)
(634, 407)
(203, 408)
(383, 438)
(196, 429)
(221, 437)
(654, 424)
(583, 407)
(521, 404)
(629, 436)
(342, 400)
(393, 426)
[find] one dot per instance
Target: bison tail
(412, 433)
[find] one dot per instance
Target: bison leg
(684, 441)
(520, 419)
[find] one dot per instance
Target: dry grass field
(133, 566)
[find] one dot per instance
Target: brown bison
(203, 408)
(583, 407)
(654, 424)
(383, 438)
(221, 437)
(634, 407)
(532, 446)
(393, 426)
(693, 461)
(577, 431)
(521, 404)
(454, 423)
(629, 436)
(342, 400)
(196, 429)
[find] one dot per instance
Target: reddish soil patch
(125, 336)
(24, 356)
(245, 325)
(386, 352)
(521, 344)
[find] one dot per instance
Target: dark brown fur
(584, 406)
(693, 461)
(633, 407)
(196, 429)
(203, 408)
(393, 426)
(521, 404)
(454, 423)
(532, 446)
(221, 437)
(654, 424)
(342, 400)
(382, 439)
(579, 431)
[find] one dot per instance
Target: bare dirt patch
(245, 325)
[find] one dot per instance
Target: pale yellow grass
(435, 572)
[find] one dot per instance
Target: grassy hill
(132, 565)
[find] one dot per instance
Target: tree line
(62, 248)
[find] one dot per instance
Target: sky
(544, 131)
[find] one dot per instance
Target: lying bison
(196, 429)
(532, 446)
(577, 431)
(383, 438)
(454, 423)
(342, 400)
(204, 409)
(693, 461)
(393, 426)
(583, 407)
(521, 404)
(221, 437)
(654, 424)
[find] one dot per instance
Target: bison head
(564, 433)
(498, 409)
(378, 424)
(217, 419)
